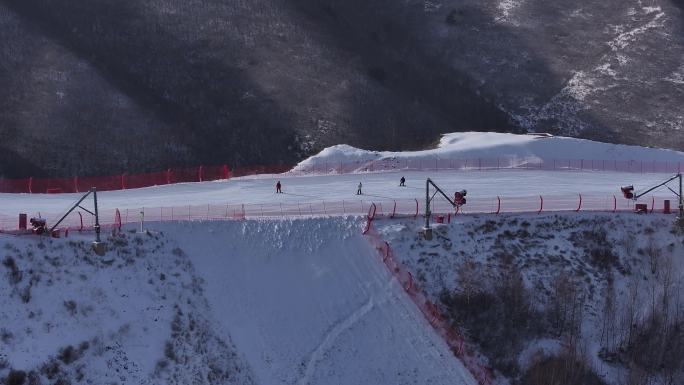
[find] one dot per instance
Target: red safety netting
(209, 173)
(453, 338)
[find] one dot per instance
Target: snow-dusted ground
(645, 257)
(270, 302)
(136, 316)
(310, 302)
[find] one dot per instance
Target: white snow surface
(483, 186)
(276, 302)
(310, 302)
(484, 145)
(303, 301)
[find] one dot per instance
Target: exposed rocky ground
(96, 87)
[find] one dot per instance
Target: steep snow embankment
(489, 145)
(525, 288)
(309, 302)
(137, 316)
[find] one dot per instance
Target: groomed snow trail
(308, 302)
(336, 188)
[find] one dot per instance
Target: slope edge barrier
(394, 208)
(456, 342)
(211, 173)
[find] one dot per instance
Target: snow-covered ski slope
(310, 302)
(483, 186)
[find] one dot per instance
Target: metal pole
(427, 204)
(97, 216)
(681, 201)
(69, 212)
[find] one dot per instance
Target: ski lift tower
(458, 201)
(98, 245)
(628, 192)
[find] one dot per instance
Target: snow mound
(491, 145)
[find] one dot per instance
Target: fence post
(76, 183)
(580, 203)
(409, 285)
(117, 219)
(541, 204)
(344, 210)
(188, 212)
(168, 176)
(614, 203)
(199, 173)
(416, 215)
(30, 185)
(123, 184)
(498, 206)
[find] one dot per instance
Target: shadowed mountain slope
(100, 87)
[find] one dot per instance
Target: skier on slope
(402, 182)
(278, 186)
(358, 192)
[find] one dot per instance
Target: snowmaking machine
(458, 201)
(629, 193)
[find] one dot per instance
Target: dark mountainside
(100, 87)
